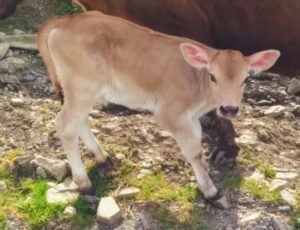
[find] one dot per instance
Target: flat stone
(9, 79)
(21, 41)
(288, 196)
(4, 47)
(247, 137)
(28, 78)
(251, 217)
(257, 176)
(22, 165)
(294, 86)
(12, 65)
(280, 224)
(3, 187)
(108, 211)
(41, 173)
(284, 208)
(120, 156)
(143, 172)
(126, 193)
(18, 32)
(275, 111)
(55, 168)
(17, 101)
(286, 175)
(278, 184)
(64, 193)
(222, 203)
(70, 211)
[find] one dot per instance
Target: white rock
(9, 79)
(17, 101)
(247, 137)
(294, 86)
(12, 64)
(4, 47)
(41, 173)
(286, 175)
(257, 176)
(277, 184)
(70, 211)
(120, 156)
(55, 168)
(128, 193)
(288, 196)
(108, 211)
(64, 193)
(3, 187)
(18, 32)
(280, 224)
(250, 217)
(143, 172)
(275, 111)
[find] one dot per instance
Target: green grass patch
(296, 210)
(233, 180)
(268, 171)
(169, 220)
(37, 209)
(85, 215)
(26, 200)
(13, 153)
(261, 191)
(248, 157)
(67, 7)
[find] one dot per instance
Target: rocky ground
(263, 187)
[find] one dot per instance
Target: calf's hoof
(219, 201)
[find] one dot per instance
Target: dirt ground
(263, 140)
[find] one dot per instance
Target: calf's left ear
(263, 60)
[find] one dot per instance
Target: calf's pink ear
(194, 55)
(263, 60)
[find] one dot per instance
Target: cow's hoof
(218, 201)
(86, 191)
(221, 203)
(101, 158)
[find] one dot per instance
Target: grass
(296, 210)
(268, 171)
(85, 215)
(38, 211)
(67, 7)
(235, 181)
(26, 200)
(261, 191)
(248, 157)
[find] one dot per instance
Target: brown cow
(247, 26)
(8, 7)
(234, 24)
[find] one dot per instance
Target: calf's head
(228, 71)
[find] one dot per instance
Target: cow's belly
(130, 97)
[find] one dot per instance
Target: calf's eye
(213, 78)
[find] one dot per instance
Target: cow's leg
(91, 142)
(187, 133)
(69, 124)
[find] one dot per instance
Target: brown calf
(92, 58)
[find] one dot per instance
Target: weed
(67, 7)
(268, 171)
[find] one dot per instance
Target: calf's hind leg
(69, 124)
(91, 142)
